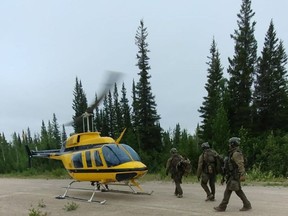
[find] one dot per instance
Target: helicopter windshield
(114, 155)
(132, 152)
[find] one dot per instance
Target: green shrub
(71, 206)
(37, 212)
(255, 174)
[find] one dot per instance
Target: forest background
(252, 103)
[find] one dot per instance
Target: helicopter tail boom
(51, 154)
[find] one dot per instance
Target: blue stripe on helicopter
(105, 170)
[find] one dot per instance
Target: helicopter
(100, 160)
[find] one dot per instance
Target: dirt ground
(20, 196)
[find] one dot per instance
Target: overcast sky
(45, 45)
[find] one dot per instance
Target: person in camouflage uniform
(207, 170)
(176, 174)
(235, 173)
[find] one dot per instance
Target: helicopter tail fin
(120, 137)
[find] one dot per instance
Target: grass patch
(71, 206)
(32, 173)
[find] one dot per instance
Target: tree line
(250, 103)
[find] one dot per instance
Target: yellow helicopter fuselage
(90, 157)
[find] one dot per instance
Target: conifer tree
(55, 132)
(3, 153)
(241, 69)
(125, 109)
(213, 101)
(177, 136)
(45, 144)
(105, 116)
(63, 135)
(79, 106)
(270, 95)
(118, 125)
(146, 117)
(110, 115)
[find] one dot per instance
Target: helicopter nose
(132, 170)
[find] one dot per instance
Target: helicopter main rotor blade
(112, 78)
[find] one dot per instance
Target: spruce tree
(79, 106)
(55, 132)
(125, 109)
(63, 135)
(213, 101)
(270, 95)
(118, 125)
(146, 117)
(241, 69)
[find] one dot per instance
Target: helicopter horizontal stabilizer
(53, 153)
(42, 153)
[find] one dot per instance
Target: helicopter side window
(132, 152)
(77, 160)
(114, 155)
(88, 158)
(98, 160)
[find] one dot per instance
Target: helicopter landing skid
(90, 200)
(105, 188)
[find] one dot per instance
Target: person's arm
(168, 165)
(237, 157)
(200, 165)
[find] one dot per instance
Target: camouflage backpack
(213, 162)
(184, 166)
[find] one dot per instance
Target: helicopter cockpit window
(132, 152)
(77, 160)
(98, 160)
(114, 155)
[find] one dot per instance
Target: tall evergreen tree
(79, 105)
(212, 102)
(110, 114)
(63, 134)
(118, 125)
(45, 144)
(221, 130)
(270, 95)
(105, 116)
(177, 136)
(147, 119)
(55, 132)
(241, 69)
(3, 153)
(125, 108)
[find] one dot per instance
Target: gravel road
(20, 196)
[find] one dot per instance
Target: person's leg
(246, 204)
(204, 182)
(178, 188)
(223, 205)
(212, 181)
